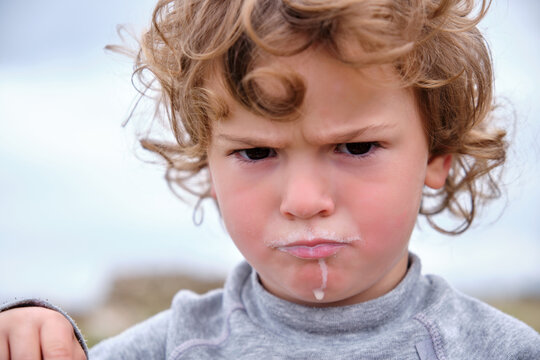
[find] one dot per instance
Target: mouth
(312, 250)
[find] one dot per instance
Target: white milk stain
(309, 235)
(319, 293)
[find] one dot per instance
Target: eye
(356, 148)
(255, 154)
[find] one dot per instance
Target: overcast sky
(76, 205)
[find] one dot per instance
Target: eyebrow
(252, 141)
(336, 137)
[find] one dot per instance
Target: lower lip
(312, 252)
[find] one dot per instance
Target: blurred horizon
(77, 207)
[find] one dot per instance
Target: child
(319, 128)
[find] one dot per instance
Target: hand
(35, 333)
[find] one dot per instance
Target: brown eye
(255, 154)
(356, 148)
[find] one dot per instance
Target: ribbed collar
(286, 318)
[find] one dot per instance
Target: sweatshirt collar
(283, 317)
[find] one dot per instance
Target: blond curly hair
(434, 45)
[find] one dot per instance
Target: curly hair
(434, 45)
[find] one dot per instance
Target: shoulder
(192, 319)
(468, 328)
(189, 314)
(189, 309)
(205, 315)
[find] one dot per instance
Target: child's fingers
(58, 341)
(24, 343)
(35, 333)
(4, 347)
(78, 352)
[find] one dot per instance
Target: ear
(437, 171)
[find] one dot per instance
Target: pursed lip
(318, 249)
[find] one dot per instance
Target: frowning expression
(323, 206)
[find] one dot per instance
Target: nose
(306, 193)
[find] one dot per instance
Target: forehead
(338, 97)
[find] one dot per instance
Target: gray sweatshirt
(423, 318)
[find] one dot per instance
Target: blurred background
(83, 221)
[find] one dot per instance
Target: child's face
(326, 203)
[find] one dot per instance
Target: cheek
(386, 211)
(245, 209)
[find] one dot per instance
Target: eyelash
(245, 158)
(241, 155)
(372, 147)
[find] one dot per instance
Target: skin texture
(272, 179)
(37, 333)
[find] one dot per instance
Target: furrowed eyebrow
(249, 141)
(338, 137)
(329, 137)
